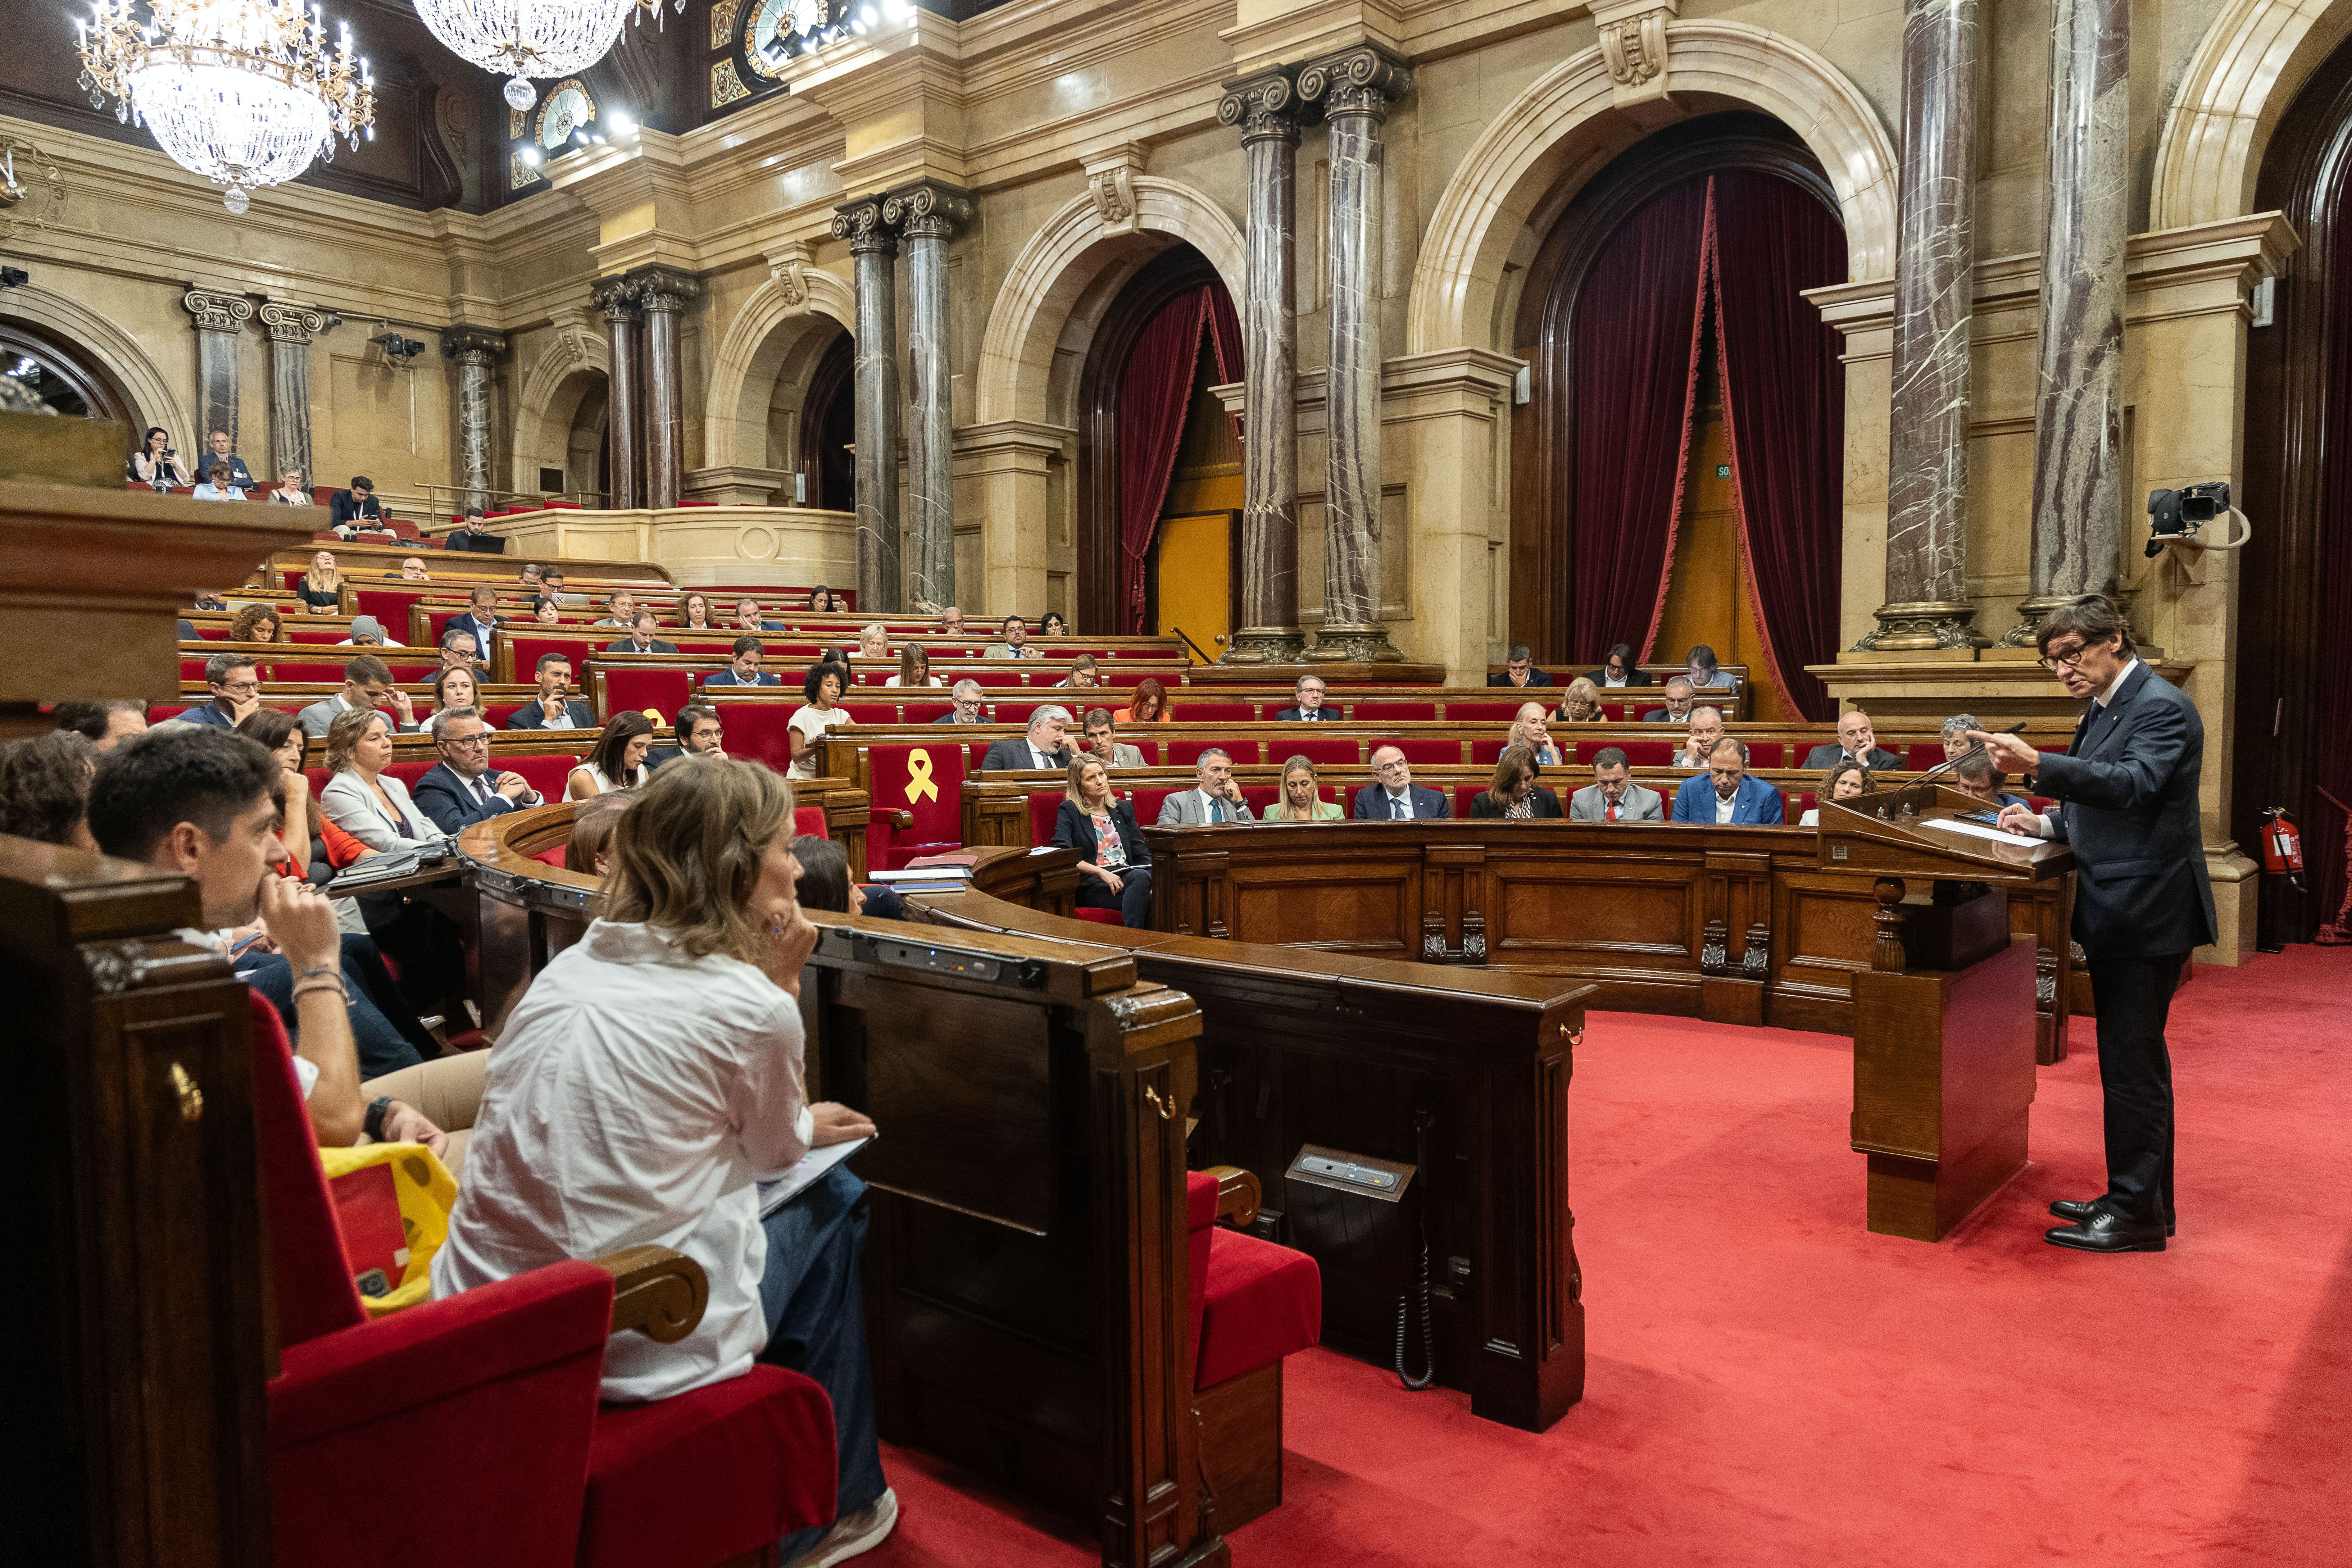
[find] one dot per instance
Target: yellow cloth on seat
(393, 1201)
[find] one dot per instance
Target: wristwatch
(377, 1111)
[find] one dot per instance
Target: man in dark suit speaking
(2128, 793)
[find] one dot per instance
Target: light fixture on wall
(244, 93)
(526, 38)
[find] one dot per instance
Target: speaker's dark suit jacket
(2128, 789)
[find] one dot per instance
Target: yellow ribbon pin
(918, 777)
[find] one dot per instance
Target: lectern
(1944, 1016)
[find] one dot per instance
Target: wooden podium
(1944, 1017)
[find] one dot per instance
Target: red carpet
(1769, 1383)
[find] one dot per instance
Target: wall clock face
(766, 20)
(566, 110)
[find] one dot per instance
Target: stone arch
(2245, 73)
(771, 337)
(1565, 126)
(567, 371)
(116, 351)
(1063, 268)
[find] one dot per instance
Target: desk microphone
(1975, 748)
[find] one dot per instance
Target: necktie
(1397, 810)
(1216, 811)
(1612, 811)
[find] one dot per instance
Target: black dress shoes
(2081, 1210)
(2106, 1231)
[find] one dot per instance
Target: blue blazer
(532, 716)
(1371, 803)
(2128, 785)
(209, 714)
(1757, 801)
(727, 678)
(449, 806)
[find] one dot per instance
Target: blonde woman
(362, 798)
(1085, 674)
(690, 982)
(1302, 797)
(1580, 703)
(320, 589)
(874, 641)
(1114, 864)
(291, 491)
(914, 667)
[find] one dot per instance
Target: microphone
(1974, 749)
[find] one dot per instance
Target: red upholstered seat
(872, 712)
(628, 691)
(757, 729)
(924, 782)
(1489, 751)
(808, 822)
(1185, 753)
(1260, 797)
(1314, 749)
(1922, 755)
(1217, 712)
(1421, 750)
(1380, 709)
(742, 1456)
(549, 774)
(1253, 1302)
(1639, 753)
(924, 712)
(1766, 754)
(1478, 709)
(1463, 795)
(1147, 802)
(1045, 806)
(1615, 712)
(1100, 917)
(552, 857)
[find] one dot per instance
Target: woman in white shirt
(158, 464)
(618, 761)
(914, 667)
(821, 687)
(1846, 780)
(646, 1084)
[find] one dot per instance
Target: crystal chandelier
(243, 92)
(525, 38)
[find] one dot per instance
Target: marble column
(926, 215)
(1927, 470)
(664, 293)
(1266, 108)
(873, 249)
(617, 298)
(1355, 87)
(220, 321)
(2078, 479)
(292, 329)
(476, 353)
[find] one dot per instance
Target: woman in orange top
(1148, 706)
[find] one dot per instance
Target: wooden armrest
(898, 818)
(1238, 1194)
(658, 1292)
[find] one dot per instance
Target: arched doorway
(1645, 508)
(828, 428)
(1145, 414)
(2293, 668)
(61, 374)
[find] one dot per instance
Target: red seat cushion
(1044, 808)
(1499, 711)
(1487, 752)
(1185, 753)
(1315, 750)
(808, 822)
(1374, 710)
(1426, 752)
(1464, 795)
(1263, 1302)
(1638, 753)
(1766, 754)
(1100, 917)
(753, 1456)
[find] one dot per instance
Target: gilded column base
(1925, 623)
(1336, 644)
(2029, 617)
(1264, 645)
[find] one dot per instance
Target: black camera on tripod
(2179, 514)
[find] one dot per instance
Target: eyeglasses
(480, 739)
(1390, 767)
(241, 687)
(2068, 658)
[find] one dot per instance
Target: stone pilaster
(476, 353)
(291, 330)
(2078, 480)
(623, 425)
(1927, 470)
(1355, 87)
(1266, 108)
(219, 320)
(874, 250)
(926, 216)
(664, 293)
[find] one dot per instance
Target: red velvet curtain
(2327, 837)
(1155, 391)
(1635, 374)
(1784, 416)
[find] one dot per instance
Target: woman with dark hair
(44, 789)
(282, 734)
(694, 613)
(1846, 780)
(823, 685)
(1619, 669)
(617, 760)
(157, 464)
(690, 982)
(1114, 863)
(256, 623)
(825, 877)
(823, 601)
(1150, 705)
(594, 822)
(1051, 625)
(1513, 790)
(914, 667)
(547, 610)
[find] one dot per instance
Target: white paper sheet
(1978, 830)
(774, 1195)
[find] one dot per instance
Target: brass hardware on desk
(1167, 1111)
(192, 1099)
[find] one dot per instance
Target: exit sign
(1723, 470)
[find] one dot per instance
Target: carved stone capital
(928, 210)
(861, 222)
(1363, 81)
(292, 323)
(617, 297)
(1266, 105)
(472, 345)
(1635, 48)
(1264, 645)
(216, 312)
(788, 266)
(663, 289)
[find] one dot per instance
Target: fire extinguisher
(2282, 846)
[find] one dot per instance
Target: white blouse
(604, 781)
(813, 721)
(636, 1098)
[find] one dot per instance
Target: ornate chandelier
(243, 92)
(526, 38)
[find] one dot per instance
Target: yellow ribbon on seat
(918, 777)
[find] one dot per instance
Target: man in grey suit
(1857, 739)
(2126, 788)
(367, 684)
(1042, 748)
(1214, 797)
(1613, 796)
(1102, 739)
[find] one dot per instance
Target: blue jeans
(385, 1028)
(816, 1326)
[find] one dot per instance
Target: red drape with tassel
(1784, 416)
(1635, 376)
(1155, 393)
